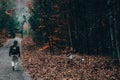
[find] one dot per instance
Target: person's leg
(12, 63)
(15, 65)
(16, 62)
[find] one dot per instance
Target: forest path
(6, 72)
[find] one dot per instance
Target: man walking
(14, 53)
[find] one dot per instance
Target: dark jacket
(14, 50)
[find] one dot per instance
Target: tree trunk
(113, 30)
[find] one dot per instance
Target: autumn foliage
(3, 37)
(41, 65)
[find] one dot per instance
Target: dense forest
(90, 27)
(85, 26)
(64, 39)
(8, 19)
